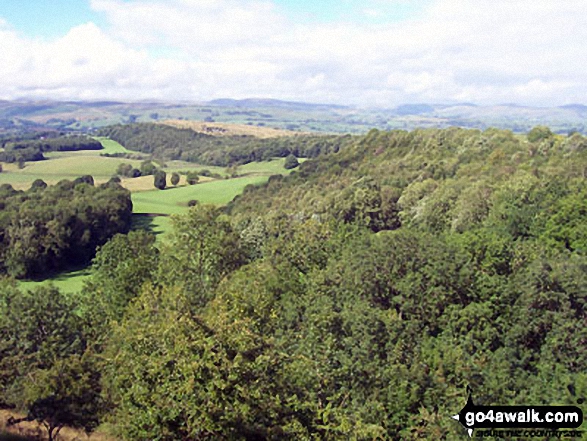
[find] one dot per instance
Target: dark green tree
(119, 270)
(37, 327)
(38, 184)
(67, 394)
(202, 249)
(539, 133)
(174, 178)
(160, 180)
(291, 162)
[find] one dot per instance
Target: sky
(369, 53)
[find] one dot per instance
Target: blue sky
(46, 19)
(50, 19)
(363, 52)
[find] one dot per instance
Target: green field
(151, 207)
(111, 146)
(71, 281)
(175, 200)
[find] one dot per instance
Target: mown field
(152, 207)
(175, 200)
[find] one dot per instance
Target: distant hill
(228, 129)
(258, 102)
(291, 116)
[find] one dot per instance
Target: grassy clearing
(158, 225)
(174, 200)
(74, 166)
(70, 281)
(179, 166)
(111, 146)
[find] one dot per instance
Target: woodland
(171, 143)
(31, 146)
(359, 297)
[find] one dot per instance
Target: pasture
(151, 207)
(70, 281)
(175, 200)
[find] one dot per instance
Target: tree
(67, 394)
(124, 169)
(160, 180)
(539, 133)
(21, 163)
(192, 178)
(38, 184)
(148, 168)
(232, 170)
(202, 249)
(179, 375)
(120, 268)
(86, 179)
(291, 162)
(174, 178)
(37, 327)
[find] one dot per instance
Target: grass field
(61, 166)
(111, 146)
(175, 200)
(71, 281)
(152, 207)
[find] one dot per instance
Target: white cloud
(485, 51)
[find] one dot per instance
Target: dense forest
(169, 143)
(31, 147)
(357, 298)
(46, 229)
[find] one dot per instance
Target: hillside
(363, 296)
(228, 129)
(285, 115)
(172, 143)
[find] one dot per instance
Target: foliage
(48, 229)
(166, 142)
(160, 180)
(356, 298)
(20, 149)
(192, 178)
(203, 248)
(291, 162)
(120, 268)
(539, 133)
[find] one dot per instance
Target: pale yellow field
(226, 129)
(145, 183)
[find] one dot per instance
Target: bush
(291, 162)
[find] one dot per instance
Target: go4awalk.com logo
(520, 421)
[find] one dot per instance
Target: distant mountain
(414, 109)
(294, 116)
(580, 108)
(266, 102)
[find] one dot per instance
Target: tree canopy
(358, 298)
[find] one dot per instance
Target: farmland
(174, 200)
(151, 207)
